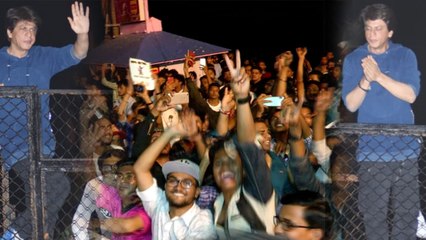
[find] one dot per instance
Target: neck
(179, 211)
(380, 50)
(227, 195)
(17, 53)
(213, 101)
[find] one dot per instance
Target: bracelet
(227, 113)
(243, 100)
(363, 89)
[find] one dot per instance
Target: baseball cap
(182, 166)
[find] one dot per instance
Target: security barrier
(43, 175)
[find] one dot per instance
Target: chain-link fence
(43, 174)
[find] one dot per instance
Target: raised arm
(301, 169)
(80, 24)
(282, 63)
(186, 127)
(301, 53)
(240, 85)
(227, 108)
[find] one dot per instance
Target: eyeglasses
(108, 169)
(185, 183)
(125, 176)
(287, 224)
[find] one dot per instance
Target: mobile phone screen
(202, 62)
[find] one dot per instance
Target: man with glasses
(129, 219)
(99, 195)
(304, 215)
(174, 212)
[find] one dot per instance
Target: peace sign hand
(240, 82)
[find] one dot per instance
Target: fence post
(34, 126)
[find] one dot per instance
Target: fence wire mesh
(45, 175)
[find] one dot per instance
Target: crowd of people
(230, 160)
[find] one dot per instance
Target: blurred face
(105, 128)
(312, 92)
(248, 70)
(337, 72)
(268, 86)
(307, 115)
(23, 36)
(121, 90)
(264, 137)
(276, 124)
(214, 92)
(126, 181)
(377, 35)
(178, 195)
(227, 172)
(262, 65)
(227, 76)
(211, 73)
(205, 82)
(256, 75)
(324, 60)
(291, 217)
(109, 170)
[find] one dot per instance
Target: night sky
(260, 29)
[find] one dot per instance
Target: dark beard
(179, 204)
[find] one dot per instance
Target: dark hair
(124, 82)
(180, 78)
(125, 162)
(317, 209)
(214, 84)
(194, 74)
(24, 13)
(121, 154)
(379, 11)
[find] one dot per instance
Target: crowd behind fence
(41, 190)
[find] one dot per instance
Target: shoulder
(400, 49)
(358, 52)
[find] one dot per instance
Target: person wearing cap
(174, 212)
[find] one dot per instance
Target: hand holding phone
(202, 63)
(191, 58)
(273, 101)
(179, 98)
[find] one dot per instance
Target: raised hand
(301, 51)
(228, 102)
(240, 83)
(187, 126)
(323, 101)
(79, 21)
(290, 112)
(283, 60)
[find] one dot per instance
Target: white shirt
(196, 223)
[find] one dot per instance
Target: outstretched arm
(80, 23)
(186, 127)
(240, 85)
